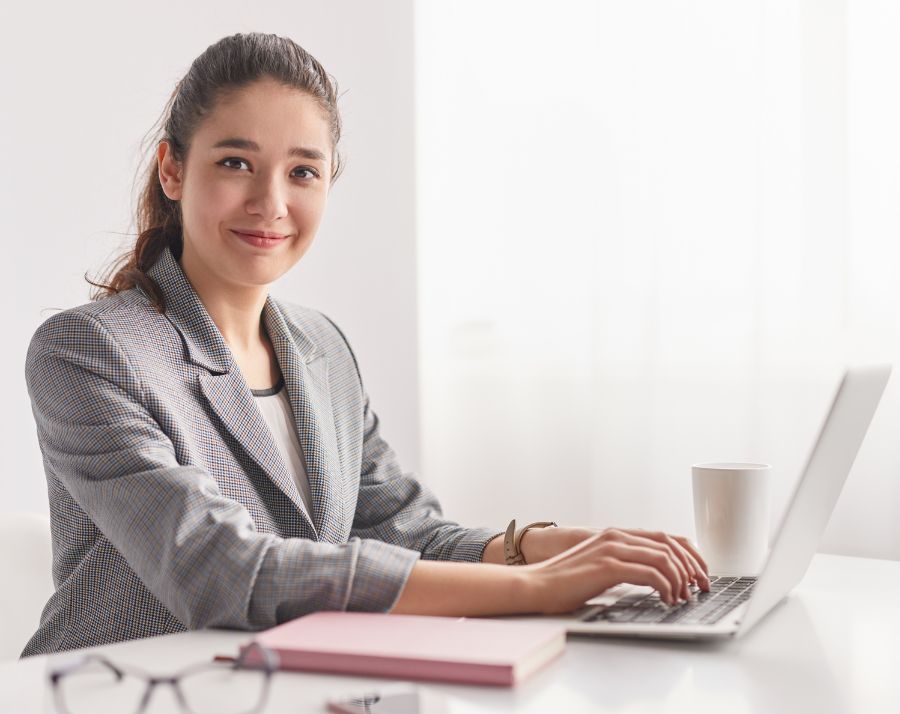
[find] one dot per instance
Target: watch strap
(513, 538)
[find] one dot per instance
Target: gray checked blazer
(171, 508)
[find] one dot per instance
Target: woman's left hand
(542, 543)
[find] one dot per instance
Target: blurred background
(577, 247)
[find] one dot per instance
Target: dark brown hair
(224, 67)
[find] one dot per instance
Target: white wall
(651, 235)
(83, 82)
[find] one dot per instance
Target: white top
(276, 409)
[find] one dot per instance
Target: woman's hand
(600, 559)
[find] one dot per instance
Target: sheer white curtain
(651, 234)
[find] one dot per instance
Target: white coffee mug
(731, 513)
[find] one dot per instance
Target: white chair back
(26, 561)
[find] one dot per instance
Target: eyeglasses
(93, 683)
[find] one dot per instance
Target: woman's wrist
(530, 589)
(540, 544)
(531, 544)
(537, 544)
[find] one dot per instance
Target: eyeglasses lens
(95, 687)
(223, 690)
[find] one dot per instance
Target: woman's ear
(170, 174)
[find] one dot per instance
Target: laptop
(735, 604)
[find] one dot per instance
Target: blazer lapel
(305, 370)
(223, 385)
(233, 403)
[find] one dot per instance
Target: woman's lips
(258, 240)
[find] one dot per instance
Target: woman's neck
(236, 310)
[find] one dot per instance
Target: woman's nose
(269, 199)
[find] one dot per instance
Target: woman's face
(259, 163)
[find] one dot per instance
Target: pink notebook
(447, 649)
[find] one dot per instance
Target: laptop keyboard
(724, 595)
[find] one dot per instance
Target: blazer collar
(203, 341)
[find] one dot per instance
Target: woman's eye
(225, 162)
(234, 163)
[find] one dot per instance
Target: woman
(185, 489)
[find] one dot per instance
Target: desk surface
(814, 652)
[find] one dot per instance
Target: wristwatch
(513, 538)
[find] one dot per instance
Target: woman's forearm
(465, 590)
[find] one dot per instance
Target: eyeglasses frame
(253, 656)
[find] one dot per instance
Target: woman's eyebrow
(248, 145)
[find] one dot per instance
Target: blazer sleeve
(394, 507)
(197, 551)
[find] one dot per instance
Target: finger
(696, 574)
(700, 577)
(639, 574)
(697, 570)
(637, 538)
(693, 551)
(652, 557)
(686, 548)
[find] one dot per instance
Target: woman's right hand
(613, 556)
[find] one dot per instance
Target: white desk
(814, 653)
